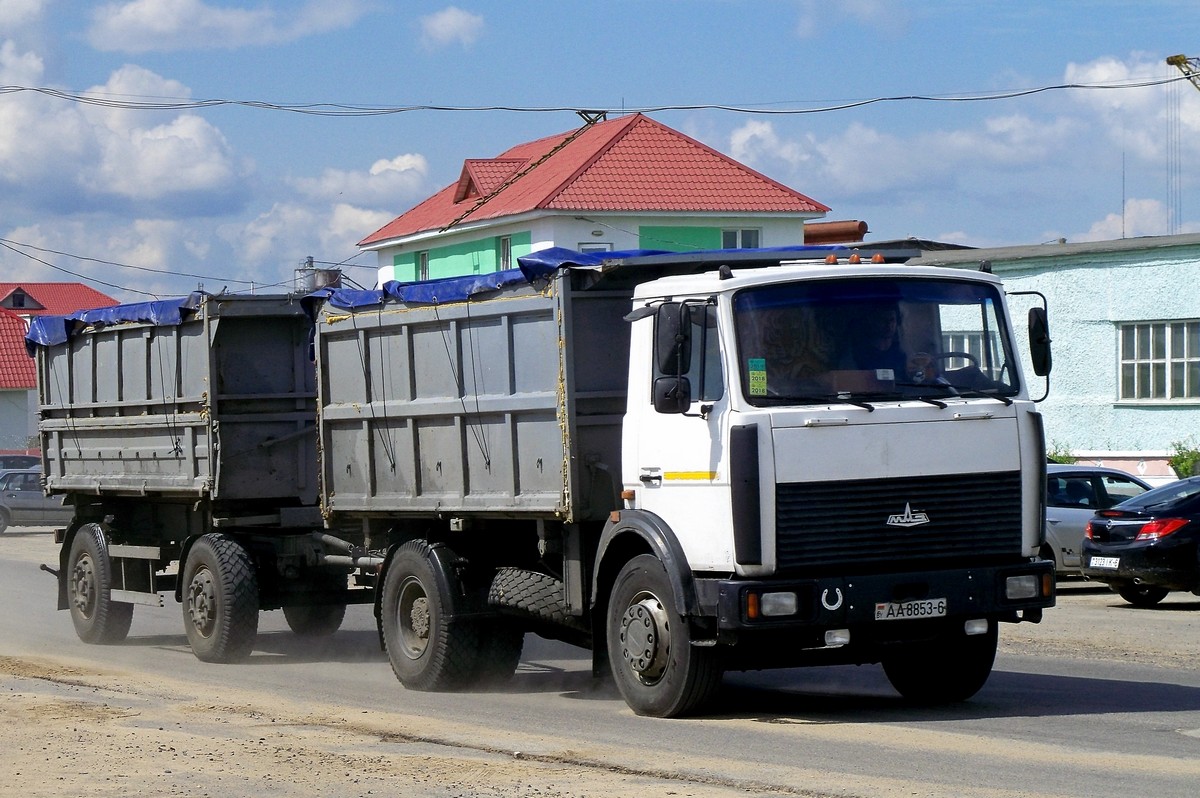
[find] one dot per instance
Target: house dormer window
(19, 300)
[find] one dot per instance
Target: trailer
(183, 432)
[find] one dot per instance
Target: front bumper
(851, 602)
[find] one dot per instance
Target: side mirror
(672, 394)
(1039, 341)
(672, 338)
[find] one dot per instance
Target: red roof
(55, 299)
(17, 370)
(16, 367)
(627, 164)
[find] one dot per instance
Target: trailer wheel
(316, 621)
(220, 599)
(96, 617)
(427, 649)
(657, 669)
(944, 671)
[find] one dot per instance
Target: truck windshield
(872, 339)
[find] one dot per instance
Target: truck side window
(703, 368)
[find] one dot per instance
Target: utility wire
(356, 110)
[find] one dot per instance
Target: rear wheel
(97, 618)
(656, 668)
(1142, 595)
(943, 671)
(220, 599)
(428, 650)
(318, 621)
(500, 644)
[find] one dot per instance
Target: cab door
(677, 441)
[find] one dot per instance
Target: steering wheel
(974, 361)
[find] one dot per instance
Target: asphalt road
(1100, 700)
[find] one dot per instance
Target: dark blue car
(1146, 546)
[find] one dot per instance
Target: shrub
(1185, 457)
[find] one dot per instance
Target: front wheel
(943, 671)
(428, 650)
(656, 668)
(1142, 595)
(220, 600)
(96, 617)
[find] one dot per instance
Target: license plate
(905, 610)
(1105, 562)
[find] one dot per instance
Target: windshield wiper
(816, 399)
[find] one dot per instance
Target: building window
(505, 253)
(423, 265)
(746, 238)
(1160, 360)
(594, 246)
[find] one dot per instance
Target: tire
(220, 599)
(315, 621)
(428, 651)
(500, 646)
(656, 668)
(943, 671)
(538, 596)
(1142, 595)
(96, 617)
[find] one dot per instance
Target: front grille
(972, 517)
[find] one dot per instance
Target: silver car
(22, 502)
(1073, 495)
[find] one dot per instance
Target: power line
(136, 103)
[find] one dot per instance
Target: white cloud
(388, 183)
(70, 157)
(18, 13)
(141, 26)
(449, 26)
(817, 17)
(1142, 217)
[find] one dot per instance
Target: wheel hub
(413, 618)
(83, 586)
(646, 638)
(202, 601)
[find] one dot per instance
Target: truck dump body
(211, 397)
(503, 399)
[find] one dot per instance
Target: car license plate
(1105, 562)
(904, 610)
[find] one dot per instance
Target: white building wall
(1091, 289)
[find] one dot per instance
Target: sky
(152, 147)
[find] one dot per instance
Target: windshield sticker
(757, 368)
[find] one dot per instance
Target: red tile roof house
(625, 183)
(18, 376)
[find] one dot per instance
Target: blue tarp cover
(534, 267)
(51, 330)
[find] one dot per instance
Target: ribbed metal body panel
(845, 524)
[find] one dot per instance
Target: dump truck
(688, 463)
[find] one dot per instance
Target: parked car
(1073, 495)
(22, 502)
(1147, 546)
(11, 461)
